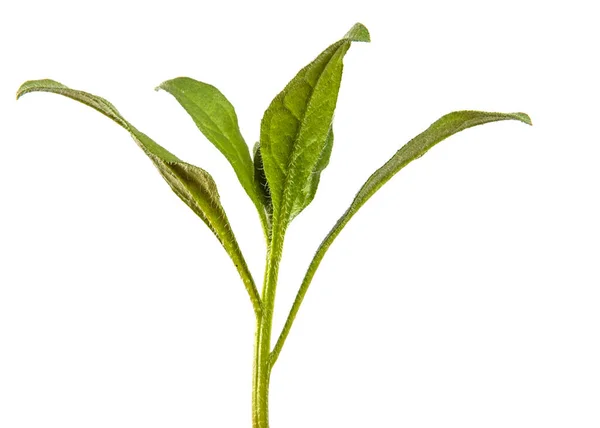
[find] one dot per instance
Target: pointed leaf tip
(523, 117)
(167, 84)
(294, 142)
(358, 33)
(36, 85)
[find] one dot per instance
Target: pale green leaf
(193, 185)
(215, 117)
(443, 128)
(295, 128)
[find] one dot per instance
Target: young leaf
(295, 129)
(261, 179)
(193, 185)
(311, 184)
(441, 129)
(215, 117)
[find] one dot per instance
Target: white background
(466, 293)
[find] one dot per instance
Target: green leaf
(215, 117)
(440, 130)
(295, 129)
(312, 183)
(308, 194)
(193, 185)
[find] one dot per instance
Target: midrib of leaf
(284, 215)
(285, 164)
(300, 174)
(295, 160)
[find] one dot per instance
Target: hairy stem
(242, 268)
(265, 222)
(310, 273)
(262, 351)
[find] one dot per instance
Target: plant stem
(310, 273)
(262, 351)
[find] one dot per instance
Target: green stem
(240, 264)
(310, 273)
(262, 351)
(265, 222)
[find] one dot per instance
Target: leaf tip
(523, 117)
(24, 88)
(38, 85)
(173, 85)
(162, 86)
(358, 33)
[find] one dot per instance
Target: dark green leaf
(295, 128)
(261, 179)
(193, 185)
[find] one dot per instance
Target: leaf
(312, 183)
(295, 129)
(215, 117)
(261, 179)
(193, 185)
(440, 130)
(308, 194)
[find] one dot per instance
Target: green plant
(281, 177)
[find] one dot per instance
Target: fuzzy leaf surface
(296, 126)
(307, 194)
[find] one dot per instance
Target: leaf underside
(193, 185)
